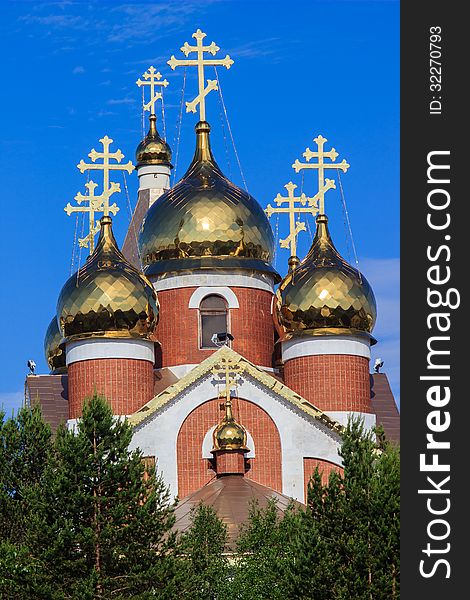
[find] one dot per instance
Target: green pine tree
(101, 527)
(344, 544)
(355, 523)
(25, 444)
(204, 567)
(265, 554)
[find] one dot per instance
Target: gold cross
(108, 187)
(323, 184)
(225, 368)
(292, 208)
(152, 79)
(94, 205)
(200, 63)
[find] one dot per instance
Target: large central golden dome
(107, 297)
(205, 221)
(325, 293)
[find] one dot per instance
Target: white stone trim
(207, 444)
(201, 292)
(325, 344)
(269, 369)
(343, 417)
(180, 371)
(255, 280)
(109, 348)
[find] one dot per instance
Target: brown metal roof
(231, 496)
(383, 404)
(51, 393)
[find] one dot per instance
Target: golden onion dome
(324, 294)
(153, 150)
(54, 349)
(108, 297)
(229, 435)
(205, 221)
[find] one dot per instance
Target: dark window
(213, 319)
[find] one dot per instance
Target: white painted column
(155, 178)
(353, 345)
(93, 348)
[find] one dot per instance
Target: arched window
(213, 318)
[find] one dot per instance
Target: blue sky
(301, 69)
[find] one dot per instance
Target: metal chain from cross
(295, 204)
(99, 203)
(323, 184)
(152, 78)
(200, 63)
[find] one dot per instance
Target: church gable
(283, 428)
(263, 379)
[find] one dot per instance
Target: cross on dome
(294, 205)
(323, 184)
(229, 370)
(106, 167)
(200, 62)
(152, 78)
(94, 204)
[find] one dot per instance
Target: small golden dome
(54, 349)
(229, 435)
(324, 291)
(205, 221)
(107, 297)
(153, 150)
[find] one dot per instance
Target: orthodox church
(237, 381)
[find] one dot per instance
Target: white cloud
(105, 113)
(255, 49)
(135, 22)
(78, 70)
(126, 100)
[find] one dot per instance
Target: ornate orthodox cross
(229, 370)
(108, 187)
(323, 184)
(152, 79)
(200, 63)
(293, 207)
(93, 205)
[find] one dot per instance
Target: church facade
(230, 374)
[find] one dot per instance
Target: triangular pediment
(264, 379)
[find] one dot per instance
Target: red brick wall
(126, 383)
(251, 325)
(195, 471)
(325, 467)
(230, 462)
(331, 382)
